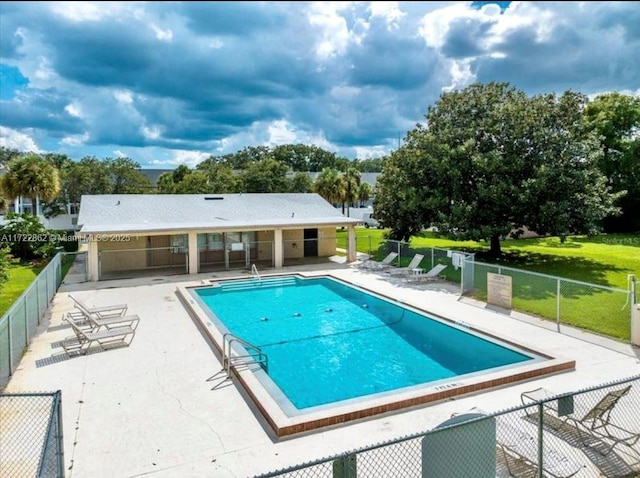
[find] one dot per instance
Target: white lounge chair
(101, 312)
(380, 265)
(421, 274)
(117, 336)
(415, 262)
(93, 324)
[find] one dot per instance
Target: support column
(351, 244)
(93, 262)
(278, 248)
(193, 253)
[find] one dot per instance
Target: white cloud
(389, 11)
(162, 35)
(368, 152)
(281, 132)
(151, 132)
(190, 158)
(76, 140)
(74, 110)
(333, 31)
(12, 139)
(78, 11)
(461, 75)
(435, 25)
(177, 157)
(120, 154)
(123, 96)
(94, 11)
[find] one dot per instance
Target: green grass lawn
(605, 260)
(21, 275)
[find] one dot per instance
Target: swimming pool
(332, 347)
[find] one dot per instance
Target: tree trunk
(495, 246)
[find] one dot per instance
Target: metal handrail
(254, 270)
(258, 357)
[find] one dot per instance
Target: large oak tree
(492, 160)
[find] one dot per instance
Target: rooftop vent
(213, 198)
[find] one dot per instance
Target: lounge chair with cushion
(81, 343)
(100, 312)
(421, 274)
(414, 264)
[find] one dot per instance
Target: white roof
(107, 213)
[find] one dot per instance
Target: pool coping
(285, 425)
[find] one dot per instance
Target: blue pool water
(327, 341)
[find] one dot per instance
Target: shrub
(4, 264)
(26, 237)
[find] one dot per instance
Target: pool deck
(150, 410)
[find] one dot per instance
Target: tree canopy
(492, 160)
(615, 118)
(31, 176)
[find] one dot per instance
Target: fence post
(38, 300)
(26, 320)
(540, 438)
(558, 305)
(635, 312)
(432, 257)
(60, 437)
(10, 344)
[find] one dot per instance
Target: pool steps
(258, 283)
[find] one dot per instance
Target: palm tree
(364, 193)
(32, 177)
(330, 184)
(352, 183)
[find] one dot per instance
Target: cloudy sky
(168, 83)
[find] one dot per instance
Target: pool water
(327, 341)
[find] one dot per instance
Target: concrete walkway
(149, 409)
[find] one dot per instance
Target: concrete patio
(149, 409)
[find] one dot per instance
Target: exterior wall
(125, 260)
(293, 247)
(63, 222)
(264, 247)
(326, 241)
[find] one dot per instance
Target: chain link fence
(31, 439)
(590, 433)
(19, 323)
(593, 307)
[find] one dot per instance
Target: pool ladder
(254, 355)
(254, 271)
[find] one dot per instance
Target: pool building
(131, 235)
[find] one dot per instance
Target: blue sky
(168, 83)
